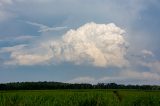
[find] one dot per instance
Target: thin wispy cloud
(44, 28)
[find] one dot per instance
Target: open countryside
(96, 97)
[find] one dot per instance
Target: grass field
(80, 98)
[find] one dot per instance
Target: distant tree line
(59, 85)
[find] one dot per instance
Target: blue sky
(80, 41)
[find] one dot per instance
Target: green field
(80, 98)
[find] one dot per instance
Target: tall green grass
(80, 98)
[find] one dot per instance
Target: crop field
(90, 97)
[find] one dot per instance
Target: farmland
(83, 97)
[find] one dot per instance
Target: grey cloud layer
(4, 14)
(74, 10)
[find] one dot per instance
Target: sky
(80, 41)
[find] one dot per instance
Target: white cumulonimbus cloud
(99, 45)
